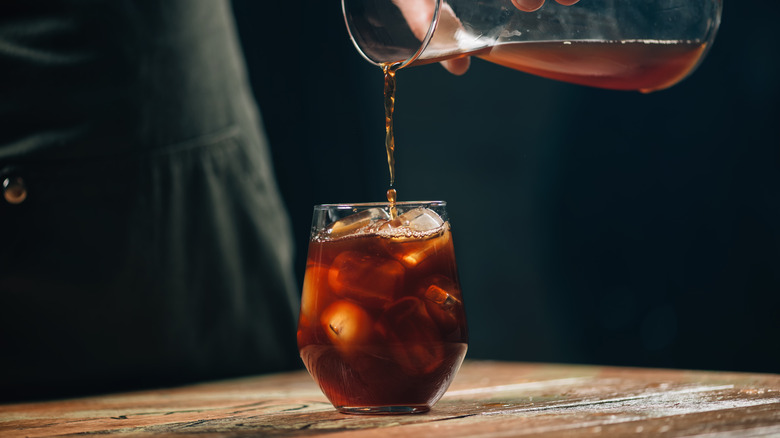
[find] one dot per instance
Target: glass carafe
(642, 45)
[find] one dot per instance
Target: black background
(591, 226)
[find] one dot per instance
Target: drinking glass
(641, 45)
(382, 328)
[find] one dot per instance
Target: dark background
(591, 226)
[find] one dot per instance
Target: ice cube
(413, 338)
(355, 222)
(442, 299)
(315, 283)
(418, 220)
(412, 254)
(369, 279)
(346, 324)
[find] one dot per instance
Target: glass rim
(403, 62)
(351, 205)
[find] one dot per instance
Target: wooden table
(487, 399)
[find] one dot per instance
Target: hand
(418, 15)
(459, 66)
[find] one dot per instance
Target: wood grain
(487, 399)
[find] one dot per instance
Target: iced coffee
(382, 327)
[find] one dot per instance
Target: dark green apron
(143, 241)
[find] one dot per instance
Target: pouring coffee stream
(389, 71)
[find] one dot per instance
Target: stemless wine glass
(382, 328)
(642, 45)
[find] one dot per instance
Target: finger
(457, 66)
(528, 5)
(418, 14)
(567, 2)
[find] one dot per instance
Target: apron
(143, 241)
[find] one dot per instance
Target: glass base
(384, 410)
